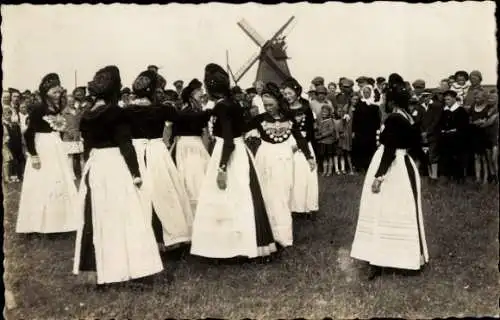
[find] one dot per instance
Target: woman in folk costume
(48, 195)
(164, 197)
(390, 230)
(305, 191)
(281, 138)
(115, 238)
(365, 124)
(188, 150)
(231, 218)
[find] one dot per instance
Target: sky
(426, 41)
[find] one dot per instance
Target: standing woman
(305, 191)
(163, 194)
(188, 151)
(114, 239)
(48, 195)
(390, 229)
(281, 138)
(231, 218)
(366, 122)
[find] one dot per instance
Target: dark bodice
(398, 133)
(36, 123)
(229, 124)
(108, 127)
(304, 117)
(191, 122)
(276, 131)
(148, 121)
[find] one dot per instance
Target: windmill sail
(247, 66)
(245, 26)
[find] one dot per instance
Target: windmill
(272, 56)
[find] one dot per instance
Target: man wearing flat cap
(361, 82)
(179, 86)
(418, 88)
(318, 81)
(346, 91)
(320, 101)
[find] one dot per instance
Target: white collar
(454, 107)
(141, 102)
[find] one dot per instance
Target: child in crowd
(325, 135)
(71, 136)
(343, 131)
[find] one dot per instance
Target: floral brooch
(57, 122)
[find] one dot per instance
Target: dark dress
(148, 122)
(399, 133)
(453, 143)
(107, 127)
(385, 230)
(229, 125)
(365, 123)
(478, 136)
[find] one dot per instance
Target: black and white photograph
(250, 161)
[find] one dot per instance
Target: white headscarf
(370, 100)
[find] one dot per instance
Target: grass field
(315, 279)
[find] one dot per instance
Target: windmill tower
(272, 57)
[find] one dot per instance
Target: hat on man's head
(318, 81)
(380, 80)
(126, 90)
(370, 81)
(178, 83)
(345, 82)
(152, 66)
(361, 79)
(321, 90)
(419, 84)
